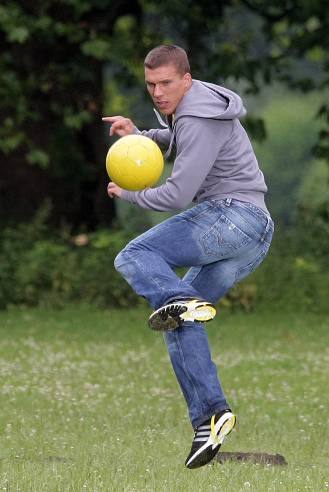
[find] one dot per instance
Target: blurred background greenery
(63, 65)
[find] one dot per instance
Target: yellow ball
(134, 162)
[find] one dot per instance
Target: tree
(52, 87)
(286, 156)
(51, 91)
(255, 42)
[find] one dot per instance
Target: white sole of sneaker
(220, 430)
(195, 310)
(201, 312)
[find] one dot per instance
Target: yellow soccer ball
(134, 162)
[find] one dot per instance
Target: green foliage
(96, 48)
(294, 274)
(55, 60)
(81, 36)
(252, 42)
(313, 194)
(53, 66)
(38, 157)
(286, 155)
(51, 63)
(39, 267)
(98, 282)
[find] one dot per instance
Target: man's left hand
(114, 190)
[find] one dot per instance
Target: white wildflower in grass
(91, 403)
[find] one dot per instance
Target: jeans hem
(207, 416)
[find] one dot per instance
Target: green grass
(89, 402)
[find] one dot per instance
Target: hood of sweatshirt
(206, 100)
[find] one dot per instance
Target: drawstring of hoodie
(164, 125)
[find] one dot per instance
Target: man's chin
(166, 112)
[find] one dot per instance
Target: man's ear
(187, 80)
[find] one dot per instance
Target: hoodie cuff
(129, 196)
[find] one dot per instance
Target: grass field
(89, 402)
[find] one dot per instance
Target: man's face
(167, 87)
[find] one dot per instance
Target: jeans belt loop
(228, 201)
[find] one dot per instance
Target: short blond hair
(168, 54)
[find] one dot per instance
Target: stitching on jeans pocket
(263, 220)
(224, 239)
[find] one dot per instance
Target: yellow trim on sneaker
(212, 430)
(198, 311)
(226, 428)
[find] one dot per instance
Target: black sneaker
(209, 437)
(173, 315)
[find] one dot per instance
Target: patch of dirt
(256, 458)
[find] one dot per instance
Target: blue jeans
(222, 241)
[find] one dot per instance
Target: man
(223, 237)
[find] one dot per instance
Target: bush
(98, 282)
(293, 275)
(40, 267)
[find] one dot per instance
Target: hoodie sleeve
(198, 142)
(160, 135)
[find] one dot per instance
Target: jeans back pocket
(224, 239)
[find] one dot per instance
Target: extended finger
(112, 119)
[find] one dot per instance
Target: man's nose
(157, 91)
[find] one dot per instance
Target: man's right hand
(119, 125)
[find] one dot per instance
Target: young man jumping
(222, 238)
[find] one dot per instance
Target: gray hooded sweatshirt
(214, 156)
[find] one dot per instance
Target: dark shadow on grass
(56, 459)
(255, 458)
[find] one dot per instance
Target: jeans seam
(210, 413)
(186, 371)
(266, 230)
(190, 281)
(251, 264)
(140, 267)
